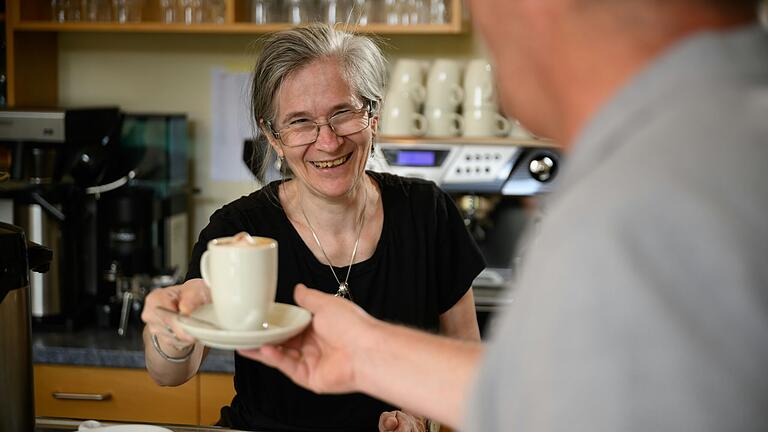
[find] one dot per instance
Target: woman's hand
(400, 421)
(183, 298)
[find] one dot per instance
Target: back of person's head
(361, 62)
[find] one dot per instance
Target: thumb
(388, 421)
(193, 298)
(310, 299)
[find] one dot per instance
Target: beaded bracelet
(166, 357)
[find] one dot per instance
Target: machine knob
(542, 168)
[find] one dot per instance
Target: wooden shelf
(32, 39)
(243, 28)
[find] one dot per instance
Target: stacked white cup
(481, 109)
(401, 113)
(444, 96)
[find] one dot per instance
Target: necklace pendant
(343, 291)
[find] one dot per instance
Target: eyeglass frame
(369, 106)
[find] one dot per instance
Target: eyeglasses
(304, 131)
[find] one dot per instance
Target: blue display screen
(416, 158)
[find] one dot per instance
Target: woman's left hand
(399, 421)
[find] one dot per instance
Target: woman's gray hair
(362, 65)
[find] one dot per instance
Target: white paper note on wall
(230, 125)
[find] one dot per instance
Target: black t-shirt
(424, 263)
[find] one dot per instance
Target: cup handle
(419, 124)
(503, 125)
(457, 124)
(457, 94)
(204, 268)
(418, 94)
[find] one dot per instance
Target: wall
(171, 73)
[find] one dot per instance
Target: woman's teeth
(332, 163)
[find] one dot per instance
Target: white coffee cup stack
(480, 106)
(443, 100)
(401, 112)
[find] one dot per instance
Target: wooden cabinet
(216, 391)
(32, 39)
(128, 395)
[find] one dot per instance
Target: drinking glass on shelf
(98, 10)
(169, 12)
(297, 12)
(391, 12)
(329, 11)
(191, 11)
(59, 10)
(127, 11)
(438, 12)
(360, 12)
(215, 11)
(262, 11)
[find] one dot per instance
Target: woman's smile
(331, 163)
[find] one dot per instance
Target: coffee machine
(50, 157)
(142, 235)
(108, 192)
(494, 183)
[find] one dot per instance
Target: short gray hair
(360, 59)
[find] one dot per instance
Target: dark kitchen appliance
(52, 157)
(494, 185)
(17, 258)
(142, 236)
(108, 191)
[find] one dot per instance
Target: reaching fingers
(288, 361)
(308, 298)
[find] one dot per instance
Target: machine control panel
(470, 168)
(481, 164)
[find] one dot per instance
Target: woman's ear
(265, 130)
(375, 125)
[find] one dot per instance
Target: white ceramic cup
(400, 117)
(242, 277)
(442, 122)
(485, 123)
(444, 84)
(479, 87)
(408, 76)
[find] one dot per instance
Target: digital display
(416, 158)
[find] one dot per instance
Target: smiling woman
(397, 247)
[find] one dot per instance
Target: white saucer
(285, 321)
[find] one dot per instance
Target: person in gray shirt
(642, 301)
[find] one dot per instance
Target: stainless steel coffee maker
(17, 258)
(494, 184)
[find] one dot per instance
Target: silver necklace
(343, 290)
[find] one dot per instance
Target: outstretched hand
(322, 357)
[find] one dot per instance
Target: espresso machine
(494, 185)
(108, 192)
(51, 156)
(142, 233)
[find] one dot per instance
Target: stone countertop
(104, 348)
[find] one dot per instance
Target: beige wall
(171, 73)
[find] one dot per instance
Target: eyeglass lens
(342, 125)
